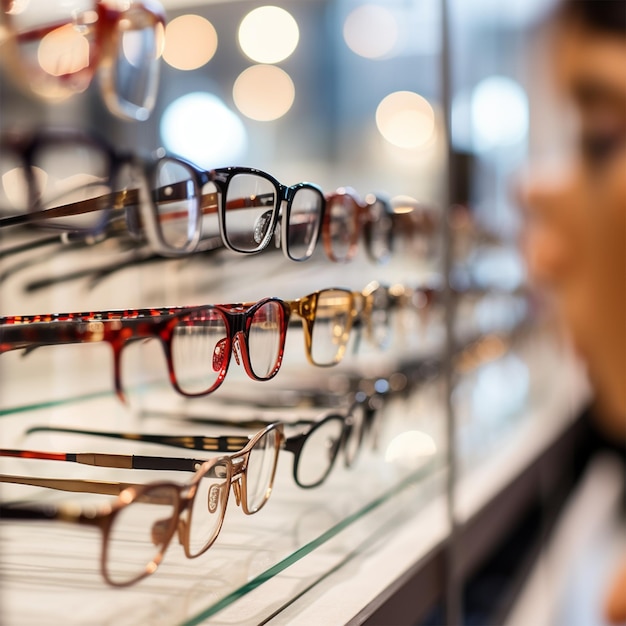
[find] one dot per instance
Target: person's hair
(607, 16)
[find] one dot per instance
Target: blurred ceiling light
(63, 51)
(499, 113)
(200, 127)
(190, 42)
(410, 447)
(268, 34)
(371, 31)
(405, 119)
(263, 92)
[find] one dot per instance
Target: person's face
(576, 236)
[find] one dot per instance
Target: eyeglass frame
(294, 443)
(108, 22)
(236, 476)
(88, 327)
(146, 221)
(362, 224)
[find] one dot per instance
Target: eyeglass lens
(200, 349)
(304, 220)
(342, 220)
(264, 338)
(208, 503)
(331, 326)
(175, 198)
(380, 230)
(139, 533)
(319, 451)
(250, 205)
(355, 424)
(380, 323)
(260, 470)
(135, 66)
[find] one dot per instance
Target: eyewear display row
(139, 524)
(199, 341)
(80, 185)
(153, 513)
(195, 510)
(54, 49)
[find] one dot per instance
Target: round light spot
(499, 113)
(190, 42)
(405, 119)
(371, 31)
(410, 447)
(200, 127)
(268, 34)
(263, 92)
(63, 51)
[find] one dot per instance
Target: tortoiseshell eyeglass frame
(119, 327)
(233, 469)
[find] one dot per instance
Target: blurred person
(575, 239)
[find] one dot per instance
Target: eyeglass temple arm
(252, 424)
(120, 461)
(69, 484)
(191, 442)
(210, 245)
(130, 197)
(63, 512)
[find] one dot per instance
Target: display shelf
(337, 553)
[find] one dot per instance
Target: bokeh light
(63, 51)
(499, 113)
(200, 127)
(405, 119)
(371, 31)
(263, 92)
(190, 42)
(410, 448)
(268, 34)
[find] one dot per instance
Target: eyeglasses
(315, 449)
(347, 216)
(73, 181)
(198, 341)
(54, 49)
(76, 183)
(139, 525)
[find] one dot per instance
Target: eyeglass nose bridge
(239, 468)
